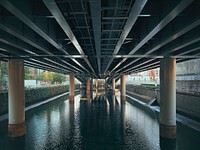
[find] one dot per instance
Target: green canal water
(102, 124)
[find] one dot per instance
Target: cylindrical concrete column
(88, 88)
(91, 88)
(16, 101)
(168, 98)
(113, 86)
(105, 87)
(71, 88)
(123, 88)
(97, 87)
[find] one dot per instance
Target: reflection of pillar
(123, 116)
(88, 88)
(123, 88)
(168, 98)
(113, 86)
(113, 102)
(96, 87)
(16, 122)
(71, 114)
(71, 88)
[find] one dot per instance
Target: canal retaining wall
(187, 96)
(34, 95)
(188, 86)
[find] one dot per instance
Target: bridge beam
(71, 88)
(168, 98)
(123, 88)
(16, 107)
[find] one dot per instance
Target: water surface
(103, 124)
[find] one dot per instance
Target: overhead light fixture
(144, 15)
(126, 42)
(75, 56)
(78, 56)
(1, 49)
(69, 42)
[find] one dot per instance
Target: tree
(47, 76)
(39, 77)
(57, 77)
(3, 73)
(27, 73)
(33, 73)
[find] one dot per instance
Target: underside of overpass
(98, 39)
(93, 39)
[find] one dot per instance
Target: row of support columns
(16, 121)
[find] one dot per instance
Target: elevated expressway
(101, 39)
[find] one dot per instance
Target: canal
(103, 124)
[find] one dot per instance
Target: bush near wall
(34, 95)
(3, 102)
(38, 94)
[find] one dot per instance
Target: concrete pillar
(71, 88)
(16, 101)
(113, 86)
(123, 88)
(168, 98)
(88, 88)
(105, 87)
(97, 87)
(91, 88)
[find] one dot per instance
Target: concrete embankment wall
(187, 96)
(34, 95)
(189, 87)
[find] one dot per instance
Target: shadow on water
(16, 143)
(167, 144)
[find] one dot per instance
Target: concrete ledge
(179, 118)
(4, 117)
(187, 104)
(182, 119)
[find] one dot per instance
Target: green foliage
(39, 77)
(148, 85)
(47, 76)
(57, 77)
(3, 73)
(27, 73)
(31, 74)
(34, 95)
